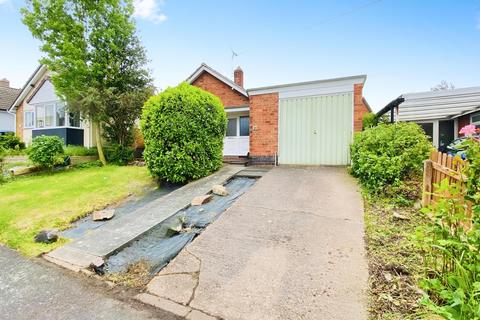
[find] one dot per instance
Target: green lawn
(44, 201)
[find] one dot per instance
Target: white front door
(237, 140)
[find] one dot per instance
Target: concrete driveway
(291, 248)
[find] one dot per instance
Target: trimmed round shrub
(46, 151)
(387, 154)
(183, 129)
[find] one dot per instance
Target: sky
(401, 45)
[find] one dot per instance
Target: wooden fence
(438, 167)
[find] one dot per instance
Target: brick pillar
(359, 108)
(238, 76)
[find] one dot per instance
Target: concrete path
(291, 248)
(108, 239)
(31, 290)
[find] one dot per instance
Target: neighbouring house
(310, 123)
(39, 111)
(441, 114)
(7, 96)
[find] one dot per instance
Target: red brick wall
(229, 97)
(462, 122)
(264, 125)
(359, 108)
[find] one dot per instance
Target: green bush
(80, 151)
(46, 151)
(387, 154)
(118, 154)
(10, 141)
(369, 120)
(183, 129)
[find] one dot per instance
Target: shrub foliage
(183, 129)
(387, 154)
(46, 151)
(10, 141)
(118, 154)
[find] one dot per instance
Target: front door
(237, 140)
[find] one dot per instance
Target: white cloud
(148, 9)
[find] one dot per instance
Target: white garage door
(316, 130)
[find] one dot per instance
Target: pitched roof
(205, 68)
(29, 85)
(7, 96)
(445, 104)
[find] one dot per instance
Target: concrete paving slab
(177, 287)
(290, 248)
(164, 304)
(113, 236)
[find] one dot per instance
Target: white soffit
(447, 104)
(311, 88)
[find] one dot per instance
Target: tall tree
(96, 60)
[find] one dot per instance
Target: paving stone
(199, 200)
(105, 214)
(219, 190)
(163, 304)
(183, 263)
(176, 287)
(198, 315)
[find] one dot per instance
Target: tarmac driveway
(290, 248)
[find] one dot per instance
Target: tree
(443, 85)
(96, 60)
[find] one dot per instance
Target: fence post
(427, 182)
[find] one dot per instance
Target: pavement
(95, 246)
(33, 289)
(290, 248)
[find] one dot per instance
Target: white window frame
(25, 120)
(55, 125)
(237, 121)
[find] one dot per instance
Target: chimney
(238, 76)
(6, 84)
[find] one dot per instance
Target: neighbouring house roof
(7, 96)
(430, 105)
(205, 68)
(29, 85)
(366, 104)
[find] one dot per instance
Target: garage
(316, 129)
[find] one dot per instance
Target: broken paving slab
(178, 287)
(115, 235)
(199, 200)
(105, 214)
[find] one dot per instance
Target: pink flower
(468, 130)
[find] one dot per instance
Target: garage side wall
(263, 127)
(360, 109)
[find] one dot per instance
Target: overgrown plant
(388, 154)
(451, 243)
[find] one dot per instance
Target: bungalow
(441, 114)
(39, 111)
(7, 96)
(310, 123)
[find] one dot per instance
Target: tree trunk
(98, 139)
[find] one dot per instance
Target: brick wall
(359, 107)
(264, 126)
(462, 122)
(229, 97)
(19, 121)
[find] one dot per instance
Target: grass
(53, 200)
(80, 151)
(395, 262)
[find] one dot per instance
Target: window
(28, 119)
(244, 126)
(475, 119)
(428, 128)
(49, 115)
(60, 115)
(40, 113)
(232, 127)
(74, 119)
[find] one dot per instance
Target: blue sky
(401, 45)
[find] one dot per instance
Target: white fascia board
(218, 75)
(236, 109)
(29, 86)
(451, 111)
(442, 93)
(320, 87)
